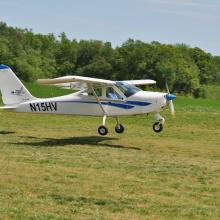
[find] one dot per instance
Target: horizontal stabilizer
(8, 107)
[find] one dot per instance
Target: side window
(112, 94)
(98, 92)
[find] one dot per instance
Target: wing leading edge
(67, 79)
(76, 82)
(140, 82)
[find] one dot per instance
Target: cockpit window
(127, 89)
(112, 94)
(98, 92)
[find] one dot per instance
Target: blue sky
(194, 22)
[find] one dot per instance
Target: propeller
(170, 98)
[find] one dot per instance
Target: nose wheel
(157, 127)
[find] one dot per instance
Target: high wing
(140, 82)
(76, 82)
(81, 82)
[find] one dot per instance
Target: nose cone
(170, 96)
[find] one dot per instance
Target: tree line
(34, 56)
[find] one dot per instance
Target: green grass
(57, 167)
(197, 105)
(45, 91)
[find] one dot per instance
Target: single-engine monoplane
(94, 97)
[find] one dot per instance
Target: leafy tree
(31, 56)
(204, 62)
(100, 68)
(66, 55)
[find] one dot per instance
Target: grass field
(58, 167)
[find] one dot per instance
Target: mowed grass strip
(57, 167)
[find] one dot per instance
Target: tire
(103, 130)
(119, 128)
(157, 127)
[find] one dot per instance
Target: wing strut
(100, 104)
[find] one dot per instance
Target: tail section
(12, 89)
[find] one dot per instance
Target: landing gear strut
(103, 130)
(158, 126)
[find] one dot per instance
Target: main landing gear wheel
(157, 127)
(119, 128)
(103, 130)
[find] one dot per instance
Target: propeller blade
(167, 88)
(172, 110)
(170, 98)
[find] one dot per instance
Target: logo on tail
(18, 92)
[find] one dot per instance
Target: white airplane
(95, 97)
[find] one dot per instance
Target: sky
(193, 22)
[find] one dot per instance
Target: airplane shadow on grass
(6, 132)
(90, 141)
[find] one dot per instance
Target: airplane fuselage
(78, 104)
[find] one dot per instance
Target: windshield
(127, 89)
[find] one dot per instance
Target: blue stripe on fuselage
(127, 105)
(119, 105)
(138, 103)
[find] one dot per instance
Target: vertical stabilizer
(12, 89)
